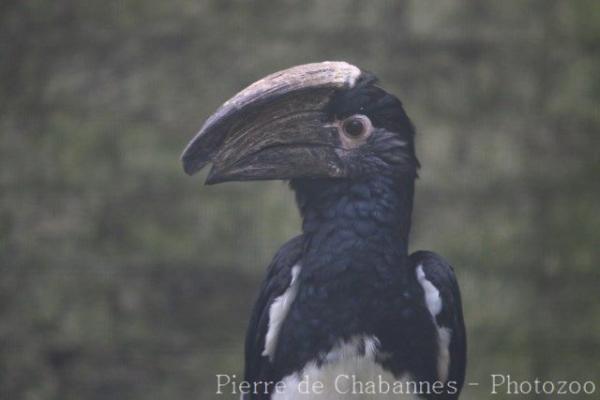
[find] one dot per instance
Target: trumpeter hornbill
(343, 304)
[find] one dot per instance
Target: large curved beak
(277, 128)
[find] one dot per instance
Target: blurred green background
(122, 278)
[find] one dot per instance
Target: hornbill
(343, 304)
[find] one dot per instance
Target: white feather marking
(371, 347)
(444, 335)
(345, 373)
(277, 313)
(434, 305)
(432, 295)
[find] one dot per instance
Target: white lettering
(340, 382)
(220, 384)
(495, 383)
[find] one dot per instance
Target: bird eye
(356, 126)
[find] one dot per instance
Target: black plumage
(355, 277)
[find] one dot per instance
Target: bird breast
(349, 371)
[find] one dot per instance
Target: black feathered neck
(355, 223)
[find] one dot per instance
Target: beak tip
(189, 170)
(194, 157)
(191, 165)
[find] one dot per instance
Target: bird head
(321, 120)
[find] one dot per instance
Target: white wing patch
(277, 313)
(434, 305)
